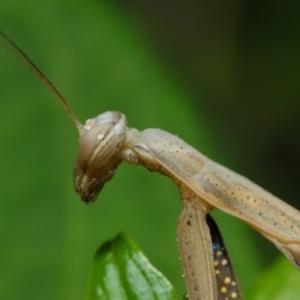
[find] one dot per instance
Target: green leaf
(121, 271)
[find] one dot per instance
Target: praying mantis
(105, 141)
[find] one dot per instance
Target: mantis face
(99, 153)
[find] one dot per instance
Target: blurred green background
(222, 76)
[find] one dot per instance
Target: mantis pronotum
(106, 141)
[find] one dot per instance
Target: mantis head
(101, 139)
(101, 142)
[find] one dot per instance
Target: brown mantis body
(106, 141)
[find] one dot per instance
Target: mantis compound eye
(99, 153)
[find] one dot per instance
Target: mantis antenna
(17, 52)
